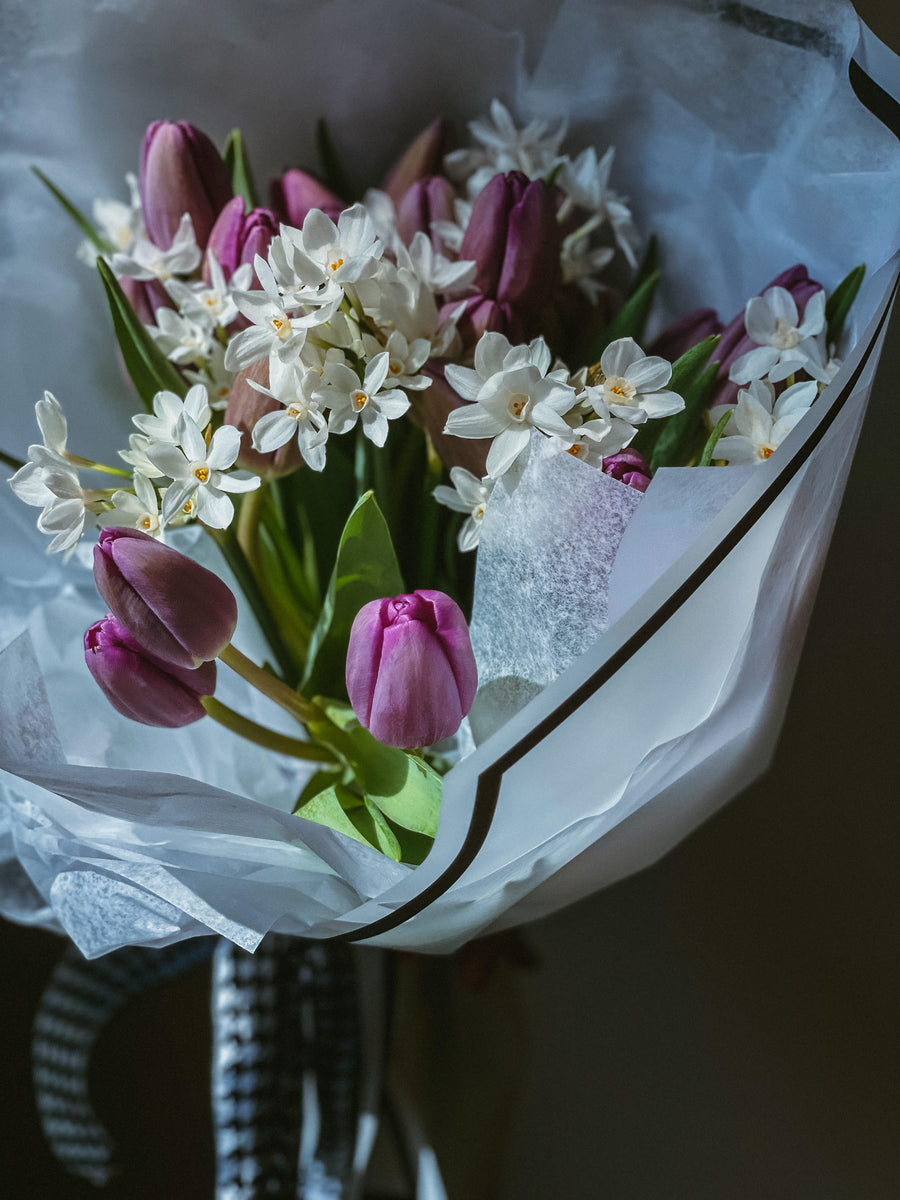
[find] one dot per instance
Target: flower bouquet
(334, 401)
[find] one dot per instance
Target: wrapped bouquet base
(666, 694)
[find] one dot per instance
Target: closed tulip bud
(138, 685)
(237, 237)
(245, 407)
(296, 193)
(181, 172)
(423, 156)
(429, 199)
(482, 314)
(179, 611)
(629, 467)
(515, 239)
(145, 297)
(411, 674)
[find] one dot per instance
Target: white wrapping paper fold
(590, 780)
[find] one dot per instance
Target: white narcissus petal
(169, 459)
(375, 425)
(490, 352)
(781, 305)
(505, 449)
(177, 496)
(737, 450)
(619, 356)
(450, 498)
(785, 424)
(649, 374)
(224, 447)
(753, 365)
(753, 419)
(376, 372)
(464, 381)
(191, 440)
(473, 421)
(28, 484)
(759, 320)
(52, 422)
(393, 403)
(469, 486)
(214, 508)
(237, 481)
(196, 405)
(272, 431)
(813, 315)
(661, 404)
(797, 398)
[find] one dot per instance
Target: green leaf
(673, 437)
(713, 439)
(839, 302)
(365, 569)
(87, 227)
(148, 367)
(239, 168)
(403, 786)
(333, 174)
(631, 318)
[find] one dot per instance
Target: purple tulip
(181, 612)
(145, 297)
(237, 237)
(411, 674)
(295, 193)
(423, 156)
(630, 468)
(429, 199)
(735, 340)
(138, 685)
(515, 239)
(181, 172)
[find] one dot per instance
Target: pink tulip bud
(629, 467)
(295, 193)
(140, 686)
(411, 674)
(179, 611)
(423, 156)
(237, 237)
(181, 172)
(245, 407)
(686, 332)
(145, 297)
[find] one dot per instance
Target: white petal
(619, 356)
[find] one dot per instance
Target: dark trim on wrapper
(487, 792)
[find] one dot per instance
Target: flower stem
(262, 736)
(298, 706)
(10, 460)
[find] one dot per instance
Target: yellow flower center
(360, 399)
(335, 264)
(518, 406)
(202, 473)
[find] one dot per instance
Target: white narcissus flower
(504, 147)
(198, 473)
(276, 329)
(138, 509)
(48, 482)
(597, 439)
(351, 401)
(404, 359)
(343, 253)
(512, 393)
(293, 385)
(761, 422)
(469, 494)
(633, 386)
(118, 224)
(784, 343)
(182, 338)
(162, 425)
(586, 184)
(213, 302)
(145, 261)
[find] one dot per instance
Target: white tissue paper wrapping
(745, 151)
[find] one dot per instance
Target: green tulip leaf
(365, 569)
(668, 441)
(839, 302)
(713, 440)
(239, 169)
(401, 785)
(149, 369)
(84, 224)
(344, 811)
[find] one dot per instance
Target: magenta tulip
(411, 674)
(629, 467)
(427, 200)
(138, 685)
(181, 172)
(296, 193)
(237, 237)
(180, 612)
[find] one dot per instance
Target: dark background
(720, 1027)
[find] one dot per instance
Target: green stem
(262, 736)
(233, 554)
(247, 524)
(89, 463)
(298, 706)
(9, 460)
